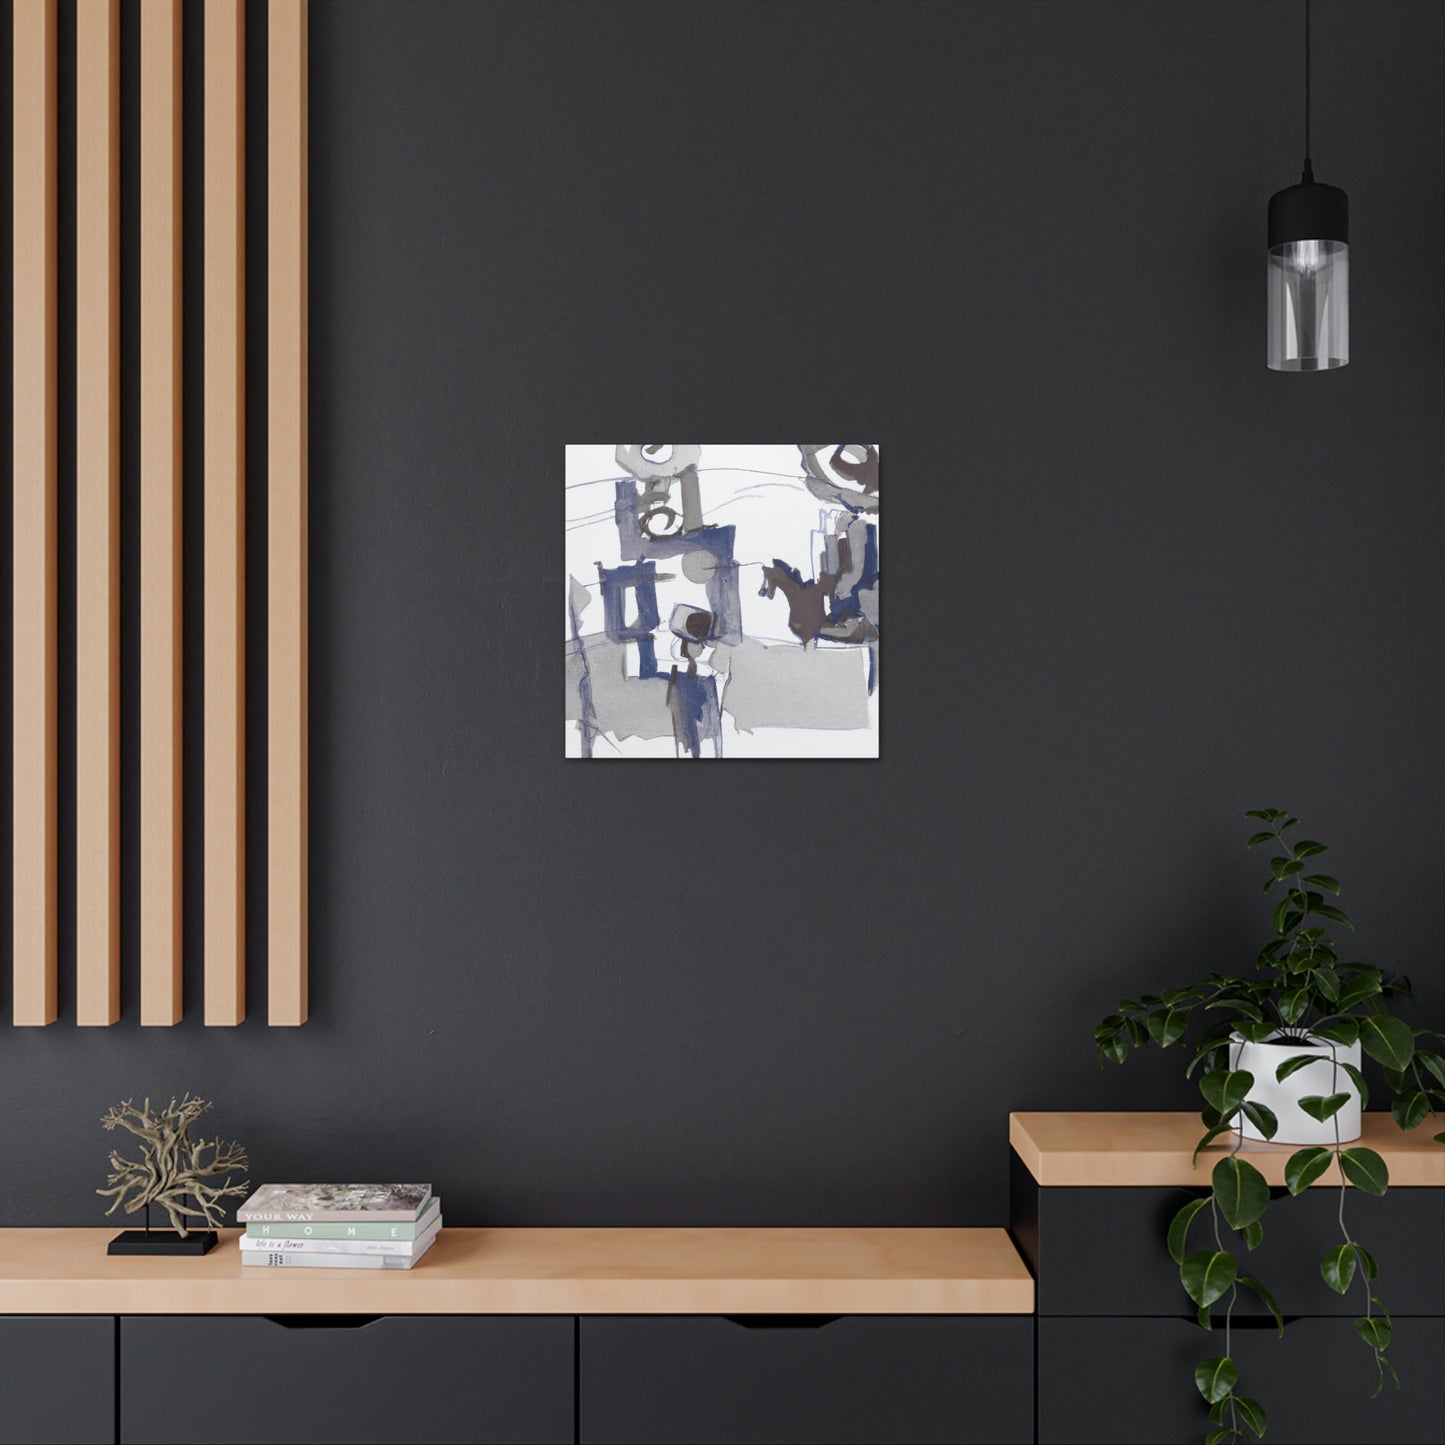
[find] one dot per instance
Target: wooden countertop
(543, 1271)
(1089, 1150)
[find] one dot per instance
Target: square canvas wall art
(722, 601)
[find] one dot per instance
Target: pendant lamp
(1309, 266)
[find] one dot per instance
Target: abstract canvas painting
(722, 601)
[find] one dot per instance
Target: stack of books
(339, 1226)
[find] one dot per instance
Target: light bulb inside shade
(1309, 305)
(1304, 257)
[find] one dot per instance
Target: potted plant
(1279, 1054)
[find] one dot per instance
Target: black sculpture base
(162, 1241)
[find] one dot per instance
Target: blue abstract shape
(723, 598)
(695, 715)
(646, 657)
(617, 582)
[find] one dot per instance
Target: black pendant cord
(1309, 174)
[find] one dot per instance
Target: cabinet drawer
(418, 1378)
(779, 1379)
(1315, 1383)
(57, 1379)
(1101, 1251)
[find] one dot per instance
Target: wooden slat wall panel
(34, 616)
(160, 518)
(225, 542)
(287, 532)
(97, 527)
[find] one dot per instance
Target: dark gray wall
(1137, 584)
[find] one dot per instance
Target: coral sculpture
(172, 1165)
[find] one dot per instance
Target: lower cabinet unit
(1315, 1383)
(781, 1378)
(57, 1379)
(322, 1379)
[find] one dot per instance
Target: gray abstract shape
(634, 459)
(793, 687)
(625, 707)
(579, 596)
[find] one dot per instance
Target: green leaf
(1385, 1368)
(1265, 815)
(1252, 1413)
(1218, 1437)
(1206, 1047)
(1178, 1238)
(1374, 1331)
(1218, 1412)
(1357, 990)
(1253, 1235)
(1127, 1005)
(1214, 1132)
(1304, 1166)
(1262, 1117)
(1216, 1377)
(1326, 979)
(1365, 1170)
(1438, 1138)
(1240, 1191)
(1114, 1049)
(1367, 1260)
(1317, 1106)
(1338, 1267)
(1335, 915)
(1307, 848)
(1202, 1316)
(1433, 1062)
(1284, 867)
(1207, 1274)
(1277, 920)
(1411, 1110)
(1358, 1080)
(1226, 1089)
(1106, 1028)
(1387, 1040)
(1294, 1064)
(1138, 1034)
(1292, 1004)
(1346, 1032)
(1323, 880)
(1257, 838)
(1269, 1300)
(1166, 1026)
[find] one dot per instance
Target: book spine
(403, 1247)
(325, 1216)
(275, 1259)
(361, 1230)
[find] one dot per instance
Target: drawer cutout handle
(1259, 1322)
(782, 1322)
(322, 1322)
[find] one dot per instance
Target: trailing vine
(1301, 993)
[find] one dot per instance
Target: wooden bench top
(543, 1271)
(1099, 1150)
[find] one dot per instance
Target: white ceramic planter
(1295, 1126)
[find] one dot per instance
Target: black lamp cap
(1310, 211)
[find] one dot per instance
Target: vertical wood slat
(97, 525)
(160, 511)
(286, 393)
(225, 525)
(34, 502)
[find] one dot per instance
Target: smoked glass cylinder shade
(1309, 305)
